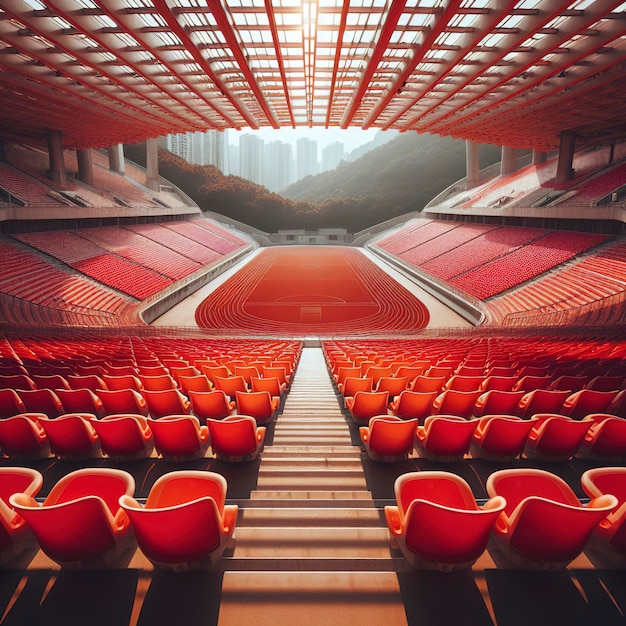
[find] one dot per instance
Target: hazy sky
(351, 138)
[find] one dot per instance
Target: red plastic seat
(428, 384)
(352, 384)
(80, 523)
(10, 403)
(86, 381)
(607, 545)
(179, 437)
(499, 383)
(23, 437)
(15, 534)
(444, 437)
(464, 383)
(259, 404)
(388, 438)
(346, 372)
(166, 402)
(376, 372)
(125, 437)
(606, 383)
(236, 438)
(605, 440)
(158, 383)
(554, 437)
(395, 385)
(247, 372)
(582, 403)
(116, 401)
(437, 522)
(543, 525)
(413, 404)
(568, 383)
(452, 402)
(500, 437)
(126, 381)
(272, 371)
(272, 385)
(367, 404)
(230, 385)
(530, 383)
(72, 436)
(41, 401)
(185, 523)
(194, 383)
(541, 401)
(54, 381)
(496, 402)
(17, 381)
(211, 404)
(80, 401)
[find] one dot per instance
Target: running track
(311, 291)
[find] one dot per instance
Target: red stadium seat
(236, 438)
(23, 437)
(543, 525)
(500, 437)
(72, 436)
(437, 522)
(555, 437)
(124, 437)
(166, 402)
(413, 404)
(444, 437)
(15, 534)
(258, 404)
(388, 438)
(185, 523)
(179, 437)
(80, 523)
(367, 404)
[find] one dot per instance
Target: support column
(152, 164)
(57, 169)
(85, 166)
(472, 164)
(508, 160)
(116, 158)
(539, 157)
(564, 171)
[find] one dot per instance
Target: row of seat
(546, 436)
(127, 437)
(532, 520)
(91, 520)
(204, 404)
(466, 404)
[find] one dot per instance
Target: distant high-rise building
(199, 148)
(332, 155)
(277, 165)
(251, 158)
(306, 158)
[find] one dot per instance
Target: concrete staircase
(311, 546)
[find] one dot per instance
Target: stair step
(314, 495)
(309, 517)
(286, 500)
(321, 564)
(311, 598)
(278, 542)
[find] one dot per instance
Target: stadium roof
(493, 71)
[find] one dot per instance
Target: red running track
(312, 290)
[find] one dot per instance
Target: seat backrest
(582, 403)
(504, 434)
(86, 381)
(19, 480)
(158, 383)
(448, 435)
(255, 403)
(370, 403)
(411, 404)
(11, 403)
(23, 435)
(166, 402)
(553, 532)
(69, 434)
(210, 404)
(117, 401)
(176, 435)
(121, 434)
(230, 384)
(392, 437)
(194, 383)
(80, 401)
(41, 401)
(17, 381)
(608, 438)
(183, 486)
(353, 384)
(125, 381)
(234, 436)
(559, 436)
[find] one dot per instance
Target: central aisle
(311, 545)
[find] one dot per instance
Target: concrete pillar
(508, 160)
(116, 158)
(472, 164)
(57, 169)
(539, 157)
(85, 166)
(152, 164)
(564, 171)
